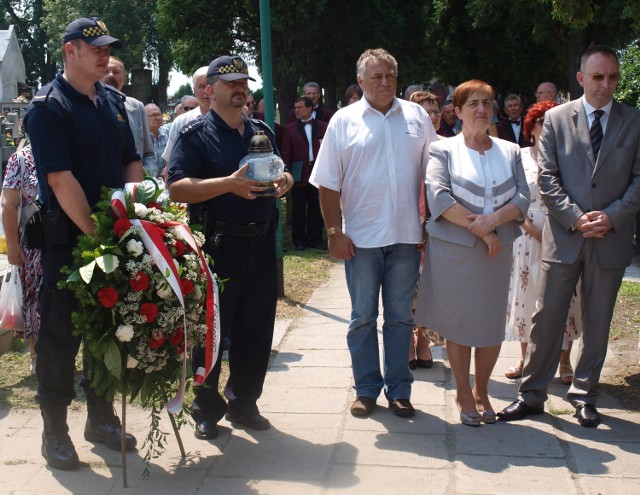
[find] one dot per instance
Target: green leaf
(107, 262)
(112, 359)
(74, 276)
(146, 191)
(86, 272)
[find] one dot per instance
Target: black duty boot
(57, 448)
(103, 426)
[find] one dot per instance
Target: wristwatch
(333, 230)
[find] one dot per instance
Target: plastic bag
(11, 300)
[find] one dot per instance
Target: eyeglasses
(186, 109)
(597, 77)
(156, 115)
(250, 103)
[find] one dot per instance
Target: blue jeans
(395, 269)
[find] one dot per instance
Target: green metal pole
(269, 117)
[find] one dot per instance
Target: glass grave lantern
(264, 165)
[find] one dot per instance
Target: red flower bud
(179, 247)
(121, 226)
(139, 282)
(108, 297)
(187, 286)
(177, 337)
(156, 341)
(149, 311)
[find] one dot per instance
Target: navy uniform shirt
(209, 148)
(69, 132)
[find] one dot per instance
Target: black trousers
(56, 346)
(247, 316)
(306, 224)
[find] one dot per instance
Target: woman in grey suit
(477, 193)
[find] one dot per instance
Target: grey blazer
(573, 183)
(440, 197)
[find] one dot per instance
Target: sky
(177, 79)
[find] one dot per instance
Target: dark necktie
(596, 132)
(515, 122)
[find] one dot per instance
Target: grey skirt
(463, 292)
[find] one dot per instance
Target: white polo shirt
(378, 163)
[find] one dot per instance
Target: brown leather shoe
(362, 406)
(402, 408)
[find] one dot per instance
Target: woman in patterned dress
(527, 253)
(20, 188)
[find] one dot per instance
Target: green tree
(26, 16)
(134, 22)
(629, 86)
(183, 90)
(317, 40)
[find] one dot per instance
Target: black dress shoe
(254, 421)
(107, 429)
(587, 415)
(518, 410)
(205, 430)
(413, 364)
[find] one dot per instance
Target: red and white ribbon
(156, 247)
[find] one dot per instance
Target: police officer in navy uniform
(203, 171)
(81, 142)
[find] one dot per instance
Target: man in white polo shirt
(370, 170)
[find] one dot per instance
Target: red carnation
(150, 312)
(108, 297)
(186, 286)
(139, 282)
(121, 226)
(155, 205)
(156, 341)
(179, 247)
(181, 349)
(176, 337)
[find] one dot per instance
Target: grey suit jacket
(140, 131)
(440, 197)
(573, 183)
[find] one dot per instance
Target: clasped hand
(593, 224)
(481, 225)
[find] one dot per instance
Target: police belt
(232, 229)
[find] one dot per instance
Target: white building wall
(12, 67)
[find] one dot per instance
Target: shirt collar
(395, 106)
(589, 109)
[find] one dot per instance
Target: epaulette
(41, 96)
(262, 123)
(111, 89)
(192, 126)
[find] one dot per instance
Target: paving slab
(317, 448)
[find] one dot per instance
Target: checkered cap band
(237, 67)
(97, 30)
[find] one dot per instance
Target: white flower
(198, 292)
(131, 361)
(124, 333)
(165, 291)
(136, 248)
(141, 210)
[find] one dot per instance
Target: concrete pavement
(317, 447)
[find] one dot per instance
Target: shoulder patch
(192, 126)
(41, 96)
(115, 92)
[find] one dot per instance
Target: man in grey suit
(590, 182)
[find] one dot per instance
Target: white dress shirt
(378, 163)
